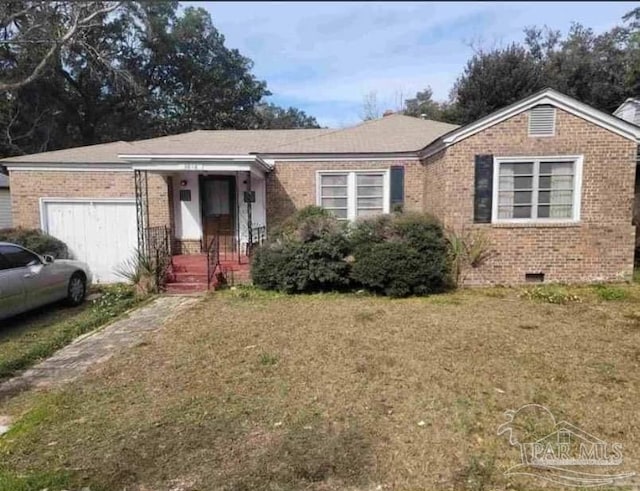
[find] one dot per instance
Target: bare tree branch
(78, 24)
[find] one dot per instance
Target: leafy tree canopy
(78, 73)
(601, 70)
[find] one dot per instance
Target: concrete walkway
(75, 359)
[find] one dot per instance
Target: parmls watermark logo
(559, 452)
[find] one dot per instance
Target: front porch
(216, 215)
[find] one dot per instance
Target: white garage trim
(44, 201)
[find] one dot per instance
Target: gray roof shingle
(395, 133)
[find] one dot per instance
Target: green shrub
(36, 240)
(292, 266)
(364, 233)
(398, 270)
(401, 255)
(309, 223)
(610, 292)
(397, 255)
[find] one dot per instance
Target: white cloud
(324, 57)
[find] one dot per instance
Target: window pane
(340, 214)
(555, 211)
(556, 168)
(522, 212)
(369, 212)
(516, 168)
(369, 202)
(523, 182)
(339, 191)
(505, 212)
(369, 179)
(334, 202)
(17, 257)
(522, 197)
(370, 191)
(334, 179)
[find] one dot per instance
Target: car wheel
(77, 289)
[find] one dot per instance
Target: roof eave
(338, 155)
(210, 158)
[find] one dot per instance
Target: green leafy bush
(401, 255)
(396, 255)
(292, 266)
(309, 223)
(367, 232)
(36, 240)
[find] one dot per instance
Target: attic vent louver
(542, 121)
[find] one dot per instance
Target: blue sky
(325, 57)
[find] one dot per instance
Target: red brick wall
(599, 247)
(27, 187)
(292, 185)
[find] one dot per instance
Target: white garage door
(102, 233)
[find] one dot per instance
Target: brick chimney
(388, 112)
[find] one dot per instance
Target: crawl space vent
(534, 277)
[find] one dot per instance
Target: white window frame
(577, 161)
(352, 188)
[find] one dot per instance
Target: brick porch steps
(189, 273)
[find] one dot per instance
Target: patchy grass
(261, 391)
(552, 293)
(611, 292)
(29, 337)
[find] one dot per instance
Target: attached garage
(99, 232)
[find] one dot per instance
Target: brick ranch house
(549, 180)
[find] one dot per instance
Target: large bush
(395, 255)
(36, 240)
(307, 254)
(401, 256)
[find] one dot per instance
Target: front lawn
(34, 335)
(257, 391)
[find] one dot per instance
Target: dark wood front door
(218, 198)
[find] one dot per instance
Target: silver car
(28, 280)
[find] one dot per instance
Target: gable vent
(542, 121)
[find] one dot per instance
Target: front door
(218, 211)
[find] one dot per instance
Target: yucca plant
(146, 273)
(468, 249)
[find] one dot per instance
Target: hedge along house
(549, 180)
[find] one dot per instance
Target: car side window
(18, 257)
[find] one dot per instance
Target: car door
(41, 284)
(13, 298)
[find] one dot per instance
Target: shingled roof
(391, 134)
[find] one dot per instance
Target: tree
(270, 116)
(50, 27)
(492, 80)
(204, 84)
(423, 106)
(370, 109)
(140, 71)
